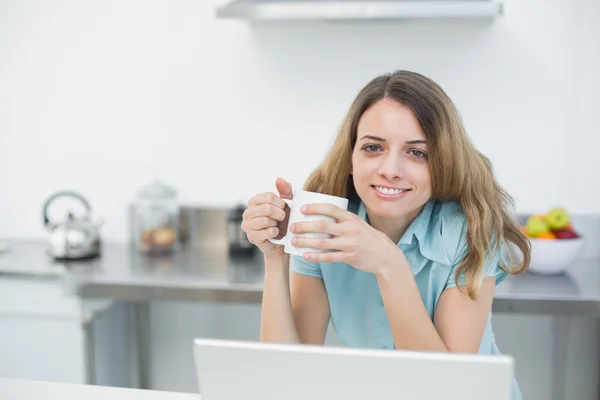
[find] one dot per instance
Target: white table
(20, 389)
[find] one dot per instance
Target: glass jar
(156, 219)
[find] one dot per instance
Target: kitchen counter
(20, 389)
(209, 274)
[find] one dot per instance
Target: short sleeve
(492, 266)
(301, 266)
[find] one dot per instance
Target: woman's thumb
(284, 188)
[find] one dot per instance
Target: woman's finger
(259, 223)
(330, 210)
(322, 243)
(258, 237)
(319, 226)
(267, 198)
(265, 210)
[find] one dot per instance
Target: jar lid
(156, 190)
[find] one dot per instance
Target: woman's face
(389, 162)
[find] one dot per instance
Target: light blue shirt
(434, 245)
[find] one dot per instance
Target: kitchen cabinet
(42, 334)
(41, 349)
(40, 331)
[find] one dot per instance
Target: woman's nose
(391, 168)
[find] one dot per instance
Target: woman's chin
(385, 210)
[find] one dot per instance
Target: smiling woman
(414, 261)
(403, 132)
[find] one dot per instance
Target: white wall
(100, 96)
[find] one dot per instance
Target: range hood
(340, 10)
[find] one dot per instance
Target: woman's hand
(266, 218)
(357, 243)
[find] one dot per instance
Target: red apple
(566, 234)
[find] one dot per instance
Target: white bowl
(549, 257)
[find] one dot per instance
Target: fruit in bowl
(554, 225)
(555, 244)
(558, 219)
(536, 226)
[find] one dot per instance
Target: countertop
(209, 274)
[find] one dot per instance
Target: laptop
(244, 370)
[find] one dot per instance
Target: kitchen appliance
(75, 238)
(156, 219)
(359, 10)
(239, 245)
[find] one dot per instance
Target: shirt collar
(426, 229)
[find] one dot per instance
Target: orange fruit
(569, 227)
(546, 236)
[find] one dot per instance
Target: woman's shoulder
(449, 223)
(449, 215)
(453, 225)
(450, 210)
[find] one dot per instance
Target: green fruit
(557, 219)
(536, 226)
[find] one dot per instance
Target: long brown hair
(459, 172)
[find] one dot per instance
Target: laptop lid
(239, 370)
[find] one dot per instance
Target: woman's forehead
(390, 121)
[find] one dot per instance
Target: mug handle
(282, 240)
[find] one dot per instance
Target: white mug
(301, 198)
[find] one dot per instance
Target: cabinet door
(41, 348)
(40, 332)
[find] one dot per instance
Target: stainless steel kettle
(76, 238)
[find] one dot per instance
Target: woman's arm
(310, 307)
(459, 322)
(296, 315)
(367, 249)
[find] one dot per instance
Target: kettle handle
(64, 193)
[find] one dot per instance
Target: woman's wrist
(277, 262)
(393, 263)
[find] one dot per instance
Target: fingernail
(294, 241)
(293, 228)
(303, 208)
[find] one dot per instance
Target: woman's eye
(371, 148)
(418, 153)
